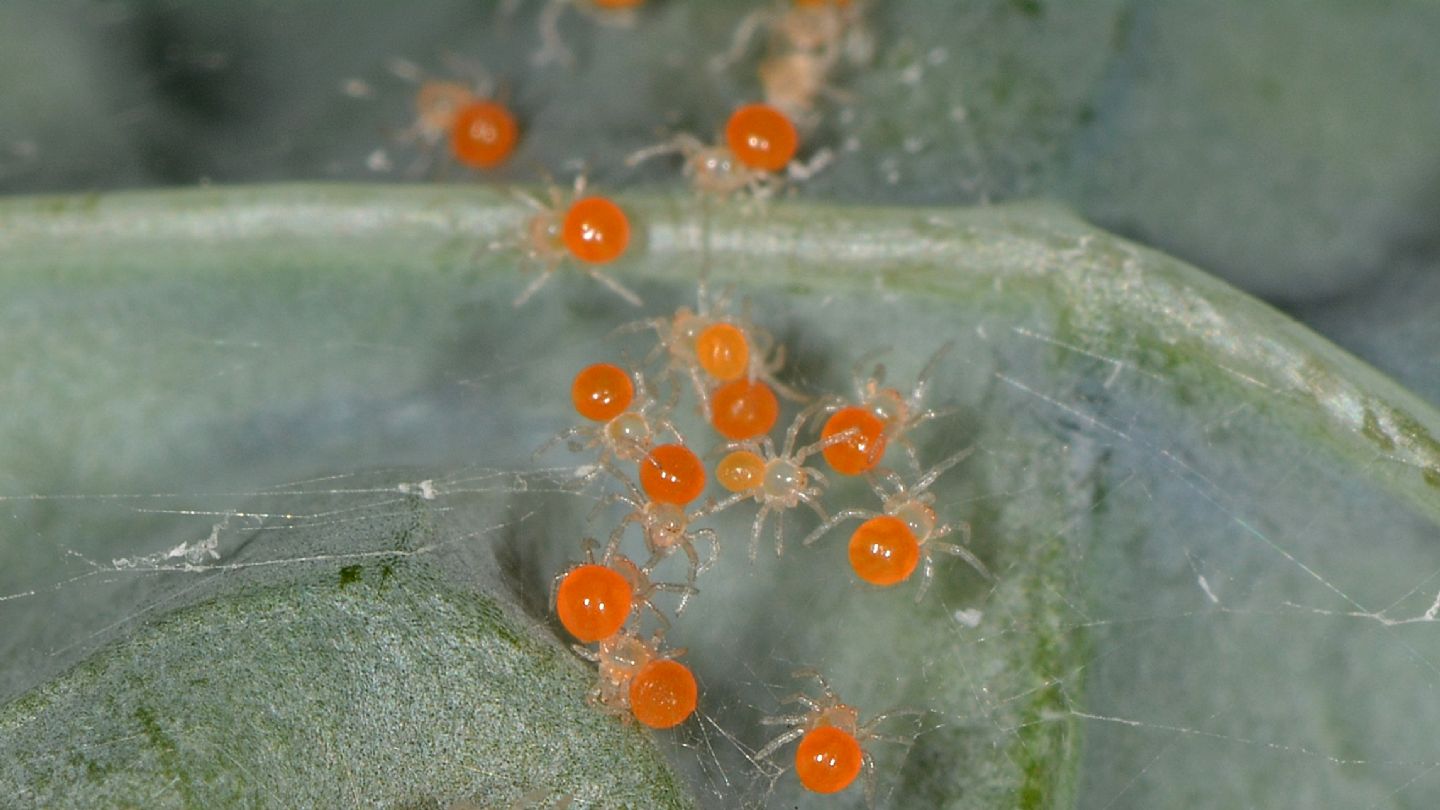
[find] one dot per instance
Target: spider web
(1230, 614)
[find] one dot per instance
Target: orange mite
(594, 599)
(761, 137)
(663, 694)
(621, 431)
(602, 392)
(899, 414)
(759, 143)
(708, 344)
(741, 471)
(588, 230)
(483, 134)
(883, 550)
(887, 548)
(830, 754)
(828, 759)
(480, 130)
(723, 351)
(865, 446)
(666, 529)
(672, 473)
(743, 409)
(640, 680)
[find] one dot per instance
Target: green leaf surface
(1169, 482)
(364, 680)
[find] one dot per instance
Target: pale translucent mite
(805, 45)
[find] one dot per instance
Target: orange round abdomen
(722, 350)
(671, 473)
(743, 409)
(741, 471)
(602, 392)
(483, 135)
(883, 551)
(761, 137)
(863, 449)
(595, 230)
(593, 602)
(663, 694)
(827, 760)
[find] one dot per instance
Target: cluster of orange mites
(731, 365)
(594, 230)
(805, 42)
(756, 153)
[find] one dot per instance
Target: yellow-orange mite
(723, 351)
(602, 392)
(741, 471)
